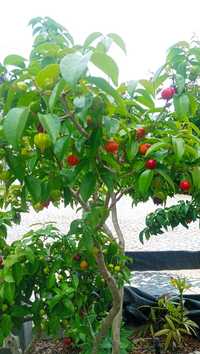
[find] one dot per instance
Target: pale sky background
(148, 27)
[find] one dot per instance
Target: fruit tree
(69, 136)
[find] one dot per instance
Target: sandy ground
(132, 221)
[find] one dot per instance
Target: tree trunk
(116, 300)
(116, 327)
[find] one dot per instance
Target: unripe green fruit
(42, 141)
(117, 268)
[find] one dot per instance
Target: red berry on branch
(111, 146)
(77, 257)
(46, 204)
(67, 341)
(72, 160)
(1, 261)
(168, 93)
(151, 164)
(140, 133)
(184, 185)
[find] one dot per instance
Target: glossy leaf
(91, 38)
(14, 125)
(15, 60)
(179, 147)
(144, 182)
(73, 67)
(87, 186)
(34, 187)
(47, 76)
(55, 94)
(51, 123)
(105, 63)
(106, 87)
(118, 40)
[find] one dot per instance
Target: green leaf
(196, 177)
(105, 63)
(6, 324)
(179, 147)
(181, 104)
(48, 76)
(111, 125)
(118, 40)
(146, 101)
(144, 182)
(55, 94)
(91, 38)
(148, 85)
(132, 149)
(51, 124)
(73, 66)
(47, 49)
(131, 86)
(61, 147)
(9, 291)
(14, 125)
(15, 60)
(16, 164)
(167, 178)
(106, 87)
(87, 186)
(156, 147)
(33, 185)
(180, 83)
(108, 178)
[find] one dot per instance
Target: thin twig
(121, 194)
(79, 200)
(70, 115)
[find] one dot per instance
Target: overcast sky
(148, 27)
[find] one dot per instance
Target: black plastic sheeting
(134, 299)
(163, 260)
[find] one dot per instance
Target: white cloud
(148, 27)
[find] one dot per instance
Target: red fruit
(46, 204)
(67, 341)
(77, 257)
(1, 261)
(72, 160)
(168, 93)
(140, 133)
(143, 148)
(111, 146)
(151, 164)
(184, 185)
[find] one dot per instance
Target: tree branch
(70, 115)
(116, 224)
(79, 200)
(107, 322)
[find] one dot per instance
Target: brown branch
(121, 194)
(116, 225)
(116, 326)
(106, 322)
(71, 116)
(79, 199)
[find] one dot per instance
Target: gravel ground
(132, 221)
